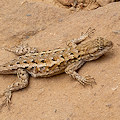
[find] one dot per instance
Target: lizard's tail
(7, 69)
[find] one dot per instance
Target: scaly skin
(49, 63)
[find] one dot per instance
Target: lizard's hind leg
(24, 78)
(22, 50)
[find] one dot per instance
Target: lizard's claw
(7, 99)
(90, 32)
(87, 80)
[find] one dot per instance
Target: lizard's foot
(89, 32)
(24, 77)
(87, 80)
(7, 99)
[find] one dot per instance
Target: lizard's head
(94, 49)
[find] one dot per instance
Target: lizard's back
(43, 64)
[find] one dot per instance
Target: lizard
(53, 62)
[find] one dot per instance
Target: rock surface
(45, 25)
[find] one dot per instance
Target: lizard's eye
(101, 47)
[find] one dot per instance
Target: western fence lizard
(49, 63)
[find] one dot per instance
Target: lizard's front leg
(22, 50)
(73, 43)
(71, 70)
(24, 77)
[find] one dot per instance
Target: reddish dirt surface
(47, 26)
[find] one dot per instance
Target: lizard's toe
(7, 99)
(87, 80)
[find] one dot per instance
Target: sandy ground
(47, 26)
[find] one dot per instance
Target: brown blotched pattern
(49, 63)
